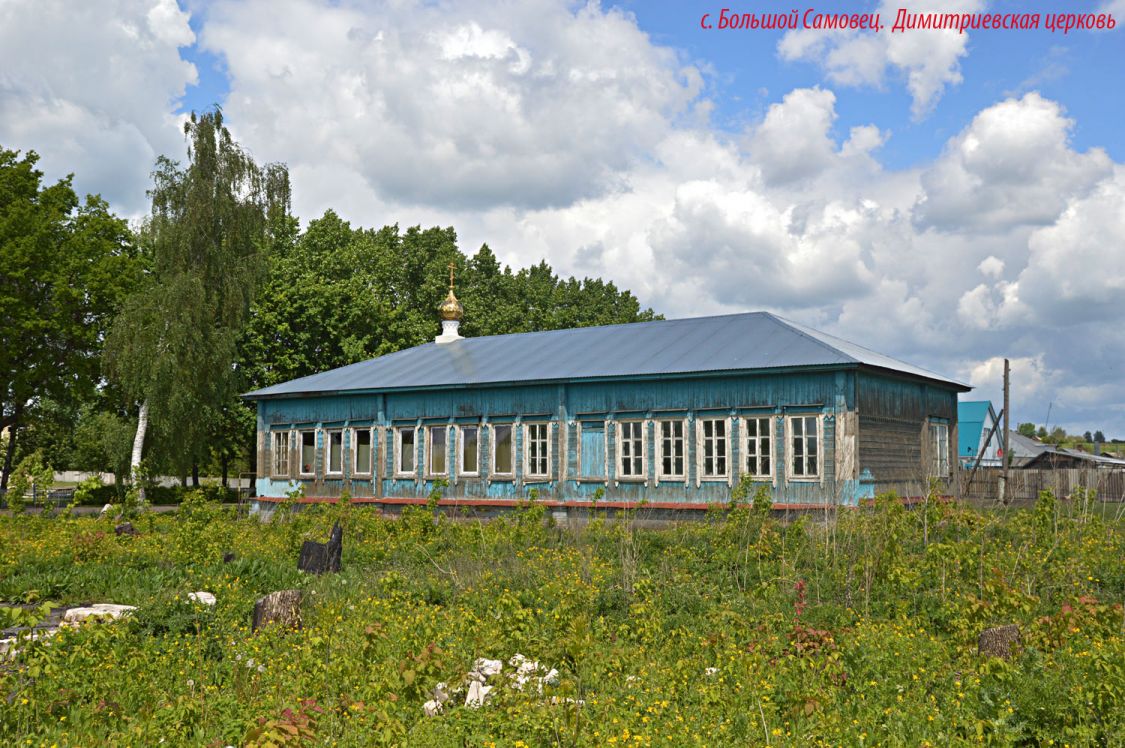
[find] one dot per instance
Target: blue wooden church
(670, 413)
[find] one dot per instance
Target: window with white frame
(280, 451)
(405, 450)
(535, 450)
(804, 435)
(334, 445)
(436, 450)
(758, 450)
(939, 446)
(469, 450)
(503, 451)
(308, 453)
(630, 450)
(713, 462)
(672, 449)
(363, 452)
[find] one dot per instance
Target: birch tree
(173, 347)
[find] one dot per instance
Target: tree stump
(318, 558)
(228, 557)
(282, 607)
(125, 528)
(998, 641)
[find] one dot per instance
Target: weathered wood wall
(893, 441)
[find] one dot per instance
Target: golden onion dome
(451, 308)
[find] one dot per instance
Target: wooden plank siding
(851, 406)
(893, 437)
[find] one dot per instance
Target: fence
(56, 497)
(1025, 485)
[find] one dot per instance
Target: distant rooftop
(752, 341)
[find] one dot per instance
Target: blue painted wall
(573, 410)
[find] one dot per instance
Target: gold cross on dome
(452, 266)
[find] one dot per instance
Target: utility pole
(1007, 430)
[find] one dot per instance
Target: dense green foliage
(219, 292)
(65, 266)
(741, 630)
(337, 295)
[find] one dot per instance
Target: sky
(947, 198)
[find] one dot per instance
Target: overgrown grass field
(741, 630)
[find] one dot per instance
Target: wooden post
(987, 441)
(1007, 428)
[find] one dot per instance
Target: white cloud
(1030, 376)
(991, 267)
(1012, 166)
(792, 143)
(91, 88)
(465, 105)
(1076, 270)
(928, 60)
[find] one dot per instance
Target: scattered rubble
(98, 611)
(477, 688)
(59, 618)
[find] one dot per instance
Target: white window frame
(355, 451)
(492, 451)
(429, 451)
(276, 452)
(939, 458)
(327, 447)
(683, 438)
(398, 432)
(620, 449)
(527, 472)
(701, 449)
(461, 471)
(792, 452)
(747, 439)
(301, 453)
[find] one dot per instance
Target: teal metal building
(976, 423)
(671, 414)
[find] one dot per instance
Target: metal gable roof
(736, 342)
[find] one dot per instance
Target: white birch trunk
(138, 446)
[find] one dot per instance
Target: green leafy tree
(32, 474)
(1026, 429)
(337, 295)
(1057, 435)
(173, 347)
(1041, 434)
(103, 439)
(66, 268)
(1099, 437)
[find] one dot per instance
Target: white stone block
(107, 611)
(488, 668)
(478, 694)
